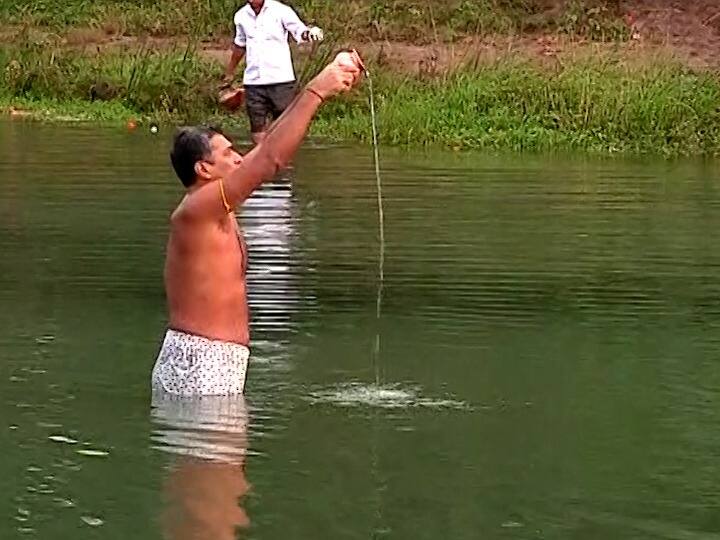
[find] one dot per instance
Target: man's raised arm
(281, 142)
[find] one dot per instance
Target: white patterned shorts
(190, 365)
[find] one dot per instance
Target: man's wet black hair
(190, 145)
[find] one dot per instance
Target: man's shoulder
(241, 13)
(179, 214)
(186, 215)
(183, 212)
(277, 6)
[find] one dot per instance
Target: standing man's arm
(237, 50)
(298, 29)
(237, 54)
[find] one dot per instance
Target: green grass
(166, 85)
(420, 21)
(594, 105)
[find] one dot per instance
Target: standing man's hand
(226, 81)
(340, 75)
(313, 34)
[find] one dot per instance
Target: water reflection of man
(205, 485)
(205, 350)
(270, 219)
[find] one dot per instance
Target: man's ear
(201, 170)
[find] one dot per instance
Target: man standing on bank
(205, 350)
(261, 36)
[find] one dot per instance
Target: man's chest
(267, 26)
(233, 241)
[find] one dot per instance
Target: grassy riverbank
(596, 104)
(62, 59)
(593, 106)
(166, 85)
(417, 21)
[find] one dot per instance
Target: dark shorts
(265, 101)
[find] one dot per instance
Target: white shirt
(265, 37)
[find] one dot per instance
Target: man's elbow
(276, 165)
(271, 161)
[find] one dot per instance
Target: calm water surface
(545, 363)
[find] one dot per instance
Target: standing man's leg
(281, 96)
(258, 106)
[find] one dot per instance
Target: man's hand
(340, 75)
(226, 81)
(313, 34)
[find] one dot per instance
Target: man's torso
(205, 279)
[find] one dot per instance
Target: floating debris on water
(64, 503)
(92, 521)
(62, 439)
(93, 453)
(48, 425)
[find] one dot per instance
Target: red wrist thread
(315, 92)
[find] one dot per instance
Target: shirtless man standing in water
(205, 350)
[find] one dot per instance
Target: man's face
(223, 160)
(256, 4)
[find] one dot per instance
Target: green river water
(545, 364)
